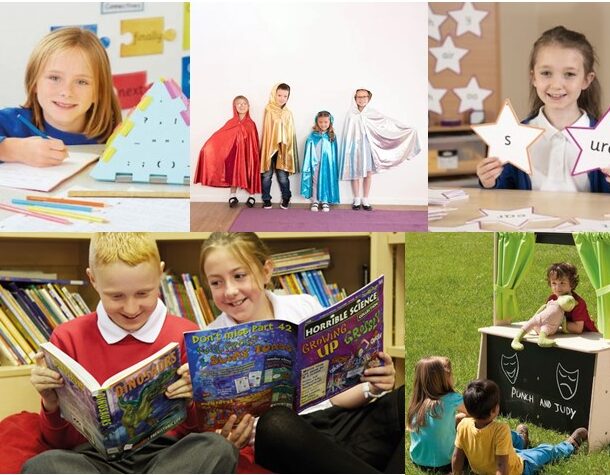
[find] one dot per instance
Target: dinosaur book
(125, 412)
(248, 368)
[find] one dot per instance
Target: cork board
(481, 61)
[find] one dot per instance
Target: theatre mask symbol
(567, 382)
(510, 367)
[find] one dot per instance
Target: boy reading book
(130, 324)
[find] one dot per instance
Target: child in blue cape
(320, 174)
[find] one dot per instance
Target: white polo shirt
(553, 157)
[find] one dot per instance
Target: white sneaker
(314, 207)
(325, 207)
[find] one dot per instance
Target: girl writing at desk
(70, 100)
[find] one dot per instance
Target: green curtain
(514, 254)
(594, 251)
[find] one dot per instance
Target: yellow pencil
(68, 214)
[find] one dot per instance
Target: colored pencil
(15, 209)
(42, 204)
(32, 127)
(69, 214)
(67, 201)
(130, 194)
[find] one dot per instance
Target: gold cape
(279, 135)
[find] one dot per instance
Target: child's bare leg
(356, 188)
(366, 184)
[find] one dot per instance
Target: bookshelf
(67, 256)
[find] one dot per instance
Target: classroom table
(562, 205)
(82, 181)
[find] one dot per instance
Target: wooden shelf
(67, 255)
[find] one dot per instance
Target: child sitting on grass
(492, 448)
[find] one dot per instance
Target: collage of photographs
(245, 276)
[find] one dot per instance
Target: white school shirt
(149, 332)
(554, 155)
(292, 308)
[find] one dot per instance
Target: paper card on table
(516, 218)
(509, 140)
(594, 146)
(582, 224)
(469, 227)
(26, 177)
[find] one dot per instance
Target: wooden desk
(562, 388)
(82, 181)
(563, 205)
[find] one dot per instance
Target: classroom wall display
(148, 36)
(27, 23)
(464, 68)
(152, 145)
(355, 45)
(551, 387)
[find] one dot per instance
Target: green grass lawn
(449, 296)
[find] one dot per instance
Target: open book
(129, 409)
(247, 368)
(19, 175)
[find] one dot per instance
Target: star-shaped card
(468, 19)
(434, 24)
(434, 98)
(516, 218)
(472, 96)
(583, 224)
(594, 145)
(509, 140)
(448, 56)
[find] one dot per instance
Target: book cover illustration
(128, 410)
(247, 368)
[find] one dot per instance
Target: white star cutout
(434, 24)
(468, 19)
(516, 218)
(448, 56)
(468, 227)
(508, 139)
(472, 96)
(434, 98)
(583, 224)
(594, 145)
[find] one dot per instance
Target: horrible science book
(125, 412)
(248, 368)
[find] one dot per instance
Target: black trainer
(285, 203)
(267, 204)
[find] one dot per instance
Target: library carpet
(302, 219)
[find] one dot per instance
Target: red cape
(231, 156)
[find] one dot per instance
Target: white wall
(22, 25)
(324, 51)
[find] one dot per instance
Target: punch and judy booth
(566, 386)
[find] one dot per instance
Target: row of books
(184, 296)
(29, 313)
(300, 260)
(312, 282)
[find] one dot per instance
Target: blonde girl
(70, 100)
(345, 434)
(434, 411)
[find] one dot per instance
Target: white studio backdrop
(324, 51)
(23, 25)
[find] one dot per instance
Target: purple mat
(302, 219)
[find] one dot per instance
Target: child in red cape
(230, 157)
